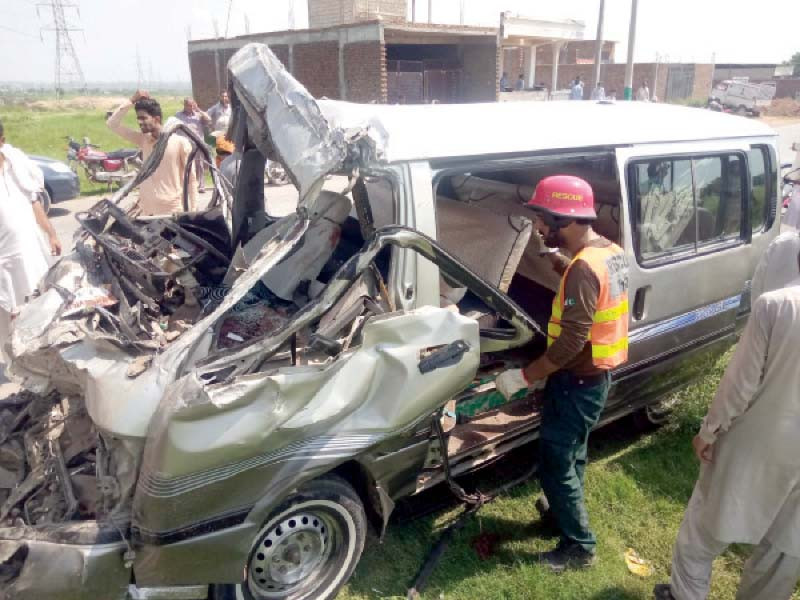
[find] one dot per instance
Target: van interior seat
(490, 244)
(705, 222)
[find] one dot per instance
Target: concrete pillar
(556, 52)
(530, 66)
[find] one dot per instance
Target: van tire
(741, 111)
(329, 522)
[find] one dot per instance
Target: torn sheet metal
(247, 358)
(65, 353)
(203, 434)
(284, 121)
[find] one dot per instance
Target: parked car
(238, 397)
(743, 97)
(60, 183)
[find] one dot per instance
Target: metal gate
(680, 81)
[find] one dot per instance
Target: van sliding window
(681, 205)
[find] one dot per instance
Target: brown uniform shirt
(572, 350)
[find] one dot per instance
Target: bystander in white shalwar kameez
(777, 267)
(750, 492)
(23, 250)
(792, 216)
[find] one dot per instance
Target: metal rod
(598, 49)
(631, 43)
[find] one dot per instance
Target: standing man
(749, 486)
(792, 216)
(587, 336)
(576, 91)
(220, 116)
(196, 120)
(504, 82)
(162, 192)
(520, 83)
(23, 256)
(599, 93)
(776, 268)
(643, 93)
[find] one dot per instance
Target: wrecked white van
(224, 400)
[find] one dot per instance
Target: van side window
(681, 204)
(718, 186)
(665, 205)
(757, 159)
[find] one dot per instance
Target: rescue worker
(587, 337)
(748, 490)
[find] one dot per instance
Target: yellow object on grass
(636, 565)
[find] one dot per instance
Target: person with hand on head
(748, 491)
(23, 254)
(587, 336)
(162, 192)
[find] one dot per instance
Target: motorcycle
(275, 173)
(103, 167)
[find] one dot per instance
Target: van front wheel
(308, 548)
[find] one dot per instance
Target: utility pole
(413, 11)
(291, 14)
(631, 44)
(68, 67)
(246, 24)
(139, 73)
(598, 50)
(430, 11)
(228, 18)
(462, 9)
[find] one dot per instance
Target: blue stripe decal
(685, 320)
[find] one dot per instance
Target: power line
(68, 69)
(3, 27)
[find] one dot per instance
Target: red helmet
(564, 196)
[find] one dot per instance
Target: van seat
(490, 244)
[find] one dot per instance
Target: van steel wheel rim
(290, 553)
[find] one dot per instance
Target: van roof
(423, 131)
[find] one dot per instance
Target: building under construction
(367, 51)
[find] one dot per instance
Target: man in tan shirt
(162, 192)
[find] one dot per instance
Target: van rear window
(681, 204)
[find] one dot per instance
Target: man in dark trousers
(587, 336)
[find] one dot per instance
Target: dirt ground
(774, 121)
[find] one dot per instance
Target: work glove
(510, 382)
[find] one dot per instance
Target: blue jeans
(572, 406)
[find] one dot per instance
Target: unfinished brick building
(366, 51)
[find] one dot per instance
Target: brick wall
(327, 13)
(572, 51)
(281, 52)
(612, 76)
(387, 10)
(703, 77)
(480, 77)
(787, 88)
(316, 66)
(365, 72)
(204, 77)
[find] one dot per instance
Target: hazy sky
(682, 30)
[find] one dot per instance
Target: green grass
(637, 489)
(44, 132)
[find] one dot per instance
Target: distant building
(366, 51)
